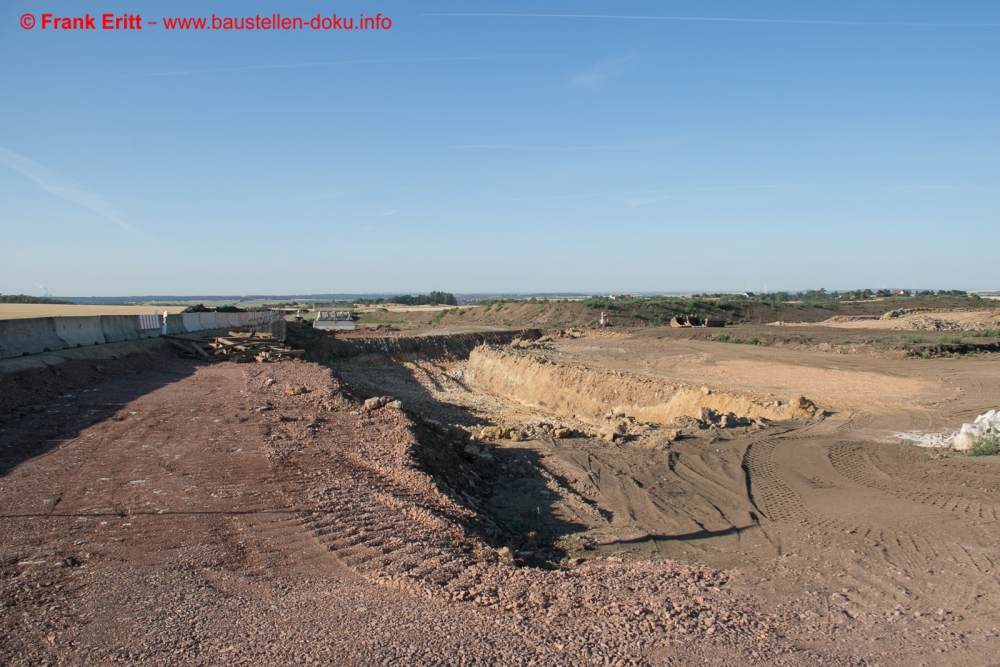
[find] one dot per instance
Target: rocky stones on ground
(706, 416)
(375, 402)
(804, 404)
(560, 433)
(491, 433)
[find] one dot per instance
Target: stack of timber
(238, 346)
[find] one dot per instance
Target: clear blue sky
(837, 144)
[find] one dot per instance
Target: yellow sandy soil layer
(16, 311)
(587, 394)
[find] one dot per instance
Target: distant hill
(24, 298)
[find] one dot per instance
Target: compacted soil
(254, 514)
(165, 511)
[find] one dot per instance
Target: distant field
(394, 308)
(16, 311)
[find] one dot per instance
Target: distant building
(901, 292)
(748, 295)
(334, 315)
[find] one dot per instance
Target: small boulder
(395, 404)
(561, 433)
(804, 404)
(491, 433)
(706, 415)
(375, 402)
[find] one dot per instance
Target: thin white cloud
(61, 186)
(601, 72)
(641, 201)
(634, 146)
(646, 196)
(374, 61)
(384, 211)
(728, 19)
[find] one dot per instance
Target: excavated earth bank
(588, 394)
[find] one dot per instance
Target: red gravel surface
(164, 512)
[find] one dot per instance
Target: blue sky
(802, 145)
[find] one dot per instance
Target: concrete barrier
(119, 328)
(234, 320)
(207, 321)
(175, 325)
(28, 336)
(244, 319)
(150, 326)
(79, 331)
(191, 322)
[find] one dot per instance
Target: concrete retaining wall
(191, 322)
(20, 337)
(175, 325)
(119, 328)
(79, 331)
(29, 336)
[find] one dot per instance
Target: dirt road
(162, 511)
(203, 515)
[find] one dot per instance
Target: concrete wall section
(79, 331)
(175, 325)
(349, 325)
(119, 328)
(192, 322)
(28, 336)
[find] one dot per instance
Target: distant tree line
(431, 299)
(823, 296)
(24, 298)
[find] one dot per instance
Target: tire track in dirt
(850, 459)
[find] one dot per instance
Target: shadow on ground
(41, 409)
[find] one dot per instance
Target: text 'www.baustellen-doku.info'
(55, 22)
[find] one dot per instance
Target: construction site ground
(165, 511)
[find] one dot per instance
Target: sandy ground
(924, 319)
(867, 541)
(15, 311)
(162, 511)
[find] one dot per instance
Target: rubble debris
(984, 425)
(962, 440)
(238, 346)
